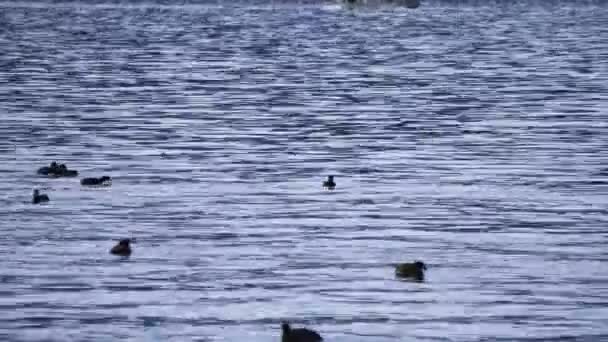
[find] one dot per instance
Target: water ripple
(467, 135)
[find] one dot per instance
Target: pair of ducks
(414, 270)
(405, 270)
(57, 170)
(61, 170)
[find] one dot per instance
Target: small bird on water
(413, 270)
(39, 198)
(57, 170)
(329, 183)
(46, 170)
(104, 180)
(123, 248)
(299, 334)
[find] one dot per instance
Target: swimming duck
(46, 170)
(329, 183)
(104, 180)
(57, 170)
(123, 248)
(413, 270)
(299, 334)
(38, 198)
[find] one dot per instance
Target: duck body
(414, 270)
(57, 170)
(299, 334)
(68, 173)
(123, 248)
(103, 181)
(329, 183)
(45, 170)
(39, 198)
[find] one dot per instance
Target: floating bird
(329, 183)
(38, 198)
(45, 170)
(57, 170)
(104, 180)
(413, 270)
(123, 248)
(299, 334)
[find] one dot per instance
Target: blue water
(472, 137)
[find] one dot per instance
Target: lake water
(472, 137)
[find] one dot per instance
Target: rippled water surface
(471, 137)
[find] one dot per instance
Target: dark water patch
(61, 287)
(129, 288)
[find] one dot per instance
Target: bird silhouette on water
(414, 270)
(123, 248)
(103, 180)
(57, 170)
(39, 198)
(46, 170)
(329, 183)
(299, 334)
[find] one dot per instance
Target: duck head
(420, 265)
(330, 178)
(36, 192)
(105, 179)
(286, 328)
(125, 242)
